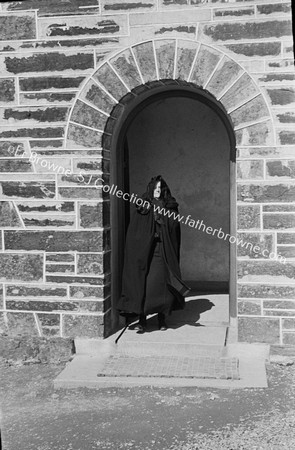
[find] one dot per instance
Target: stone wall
(64, 67)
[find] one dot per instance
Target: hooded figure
(151, 280)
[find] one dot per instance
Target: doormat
(171, 366)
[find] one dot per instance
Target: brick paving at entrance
(171, 366)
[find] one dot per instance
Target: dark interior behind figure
(151, 260)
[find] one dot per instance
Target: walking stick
(127, 316)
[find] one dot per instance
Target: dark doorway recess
(184, 134)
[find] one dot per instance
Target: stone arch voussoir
(144, 65)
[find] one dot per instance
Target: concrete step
(84, 370)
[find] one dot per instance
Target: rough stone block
(86, 326)
(265, 152)
(7, 90)
(39, 133)
(82, 180)
(9, 216)
(80, 193)
(46, 207)
(91, 165)
(286, 251)
(282, 169)
(93, 263)
(255, 109)
(286, 137)
(278, 65)
(59, 268)
(21, 267)
(144, 54)
(163, 4)
(245, 30)
(104, 45)
(59, 257)
(242, 90)
(230, 13)
(50, 82)
(56, 241)
(127, 5)
(32, 116)
(49, 324)
(40, 292)
(254, 49)
(89, 292)
(86, 115)
(248, 217)
(107, 77)
(249, 308)
(266, 271)
(266, 291)
(79, 27)
(17, 27)
(250, 169)
(286, 238)
(79, 137)
(125, 66)
(278, 221)
(15, 165)
(52, 7)
(165, 53)
(186, 52)
(93, 94)
(256, 329)
(205, 63)
(282, 96)
(289, 339)
(49, 62)
(12, 149)
(255, 245)
(37, 305)
(93, 215)
(275, 79)
(266, 193)
(74, 279)
(21, 324)
(278, 304)
(46, 144)
(146, 32)
(27, 189)
(224, 76)
(287, 117)
(278, 208)
(47, 98)
(273, 9)
(288, 324)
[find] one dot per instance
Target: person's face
(157, 190)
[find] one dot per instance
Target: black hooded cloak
(151, 280)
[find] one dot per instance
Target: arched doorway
(123, 85)
(184, 134)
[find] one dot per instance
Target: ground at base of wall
(36, 417)
(20, 350)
